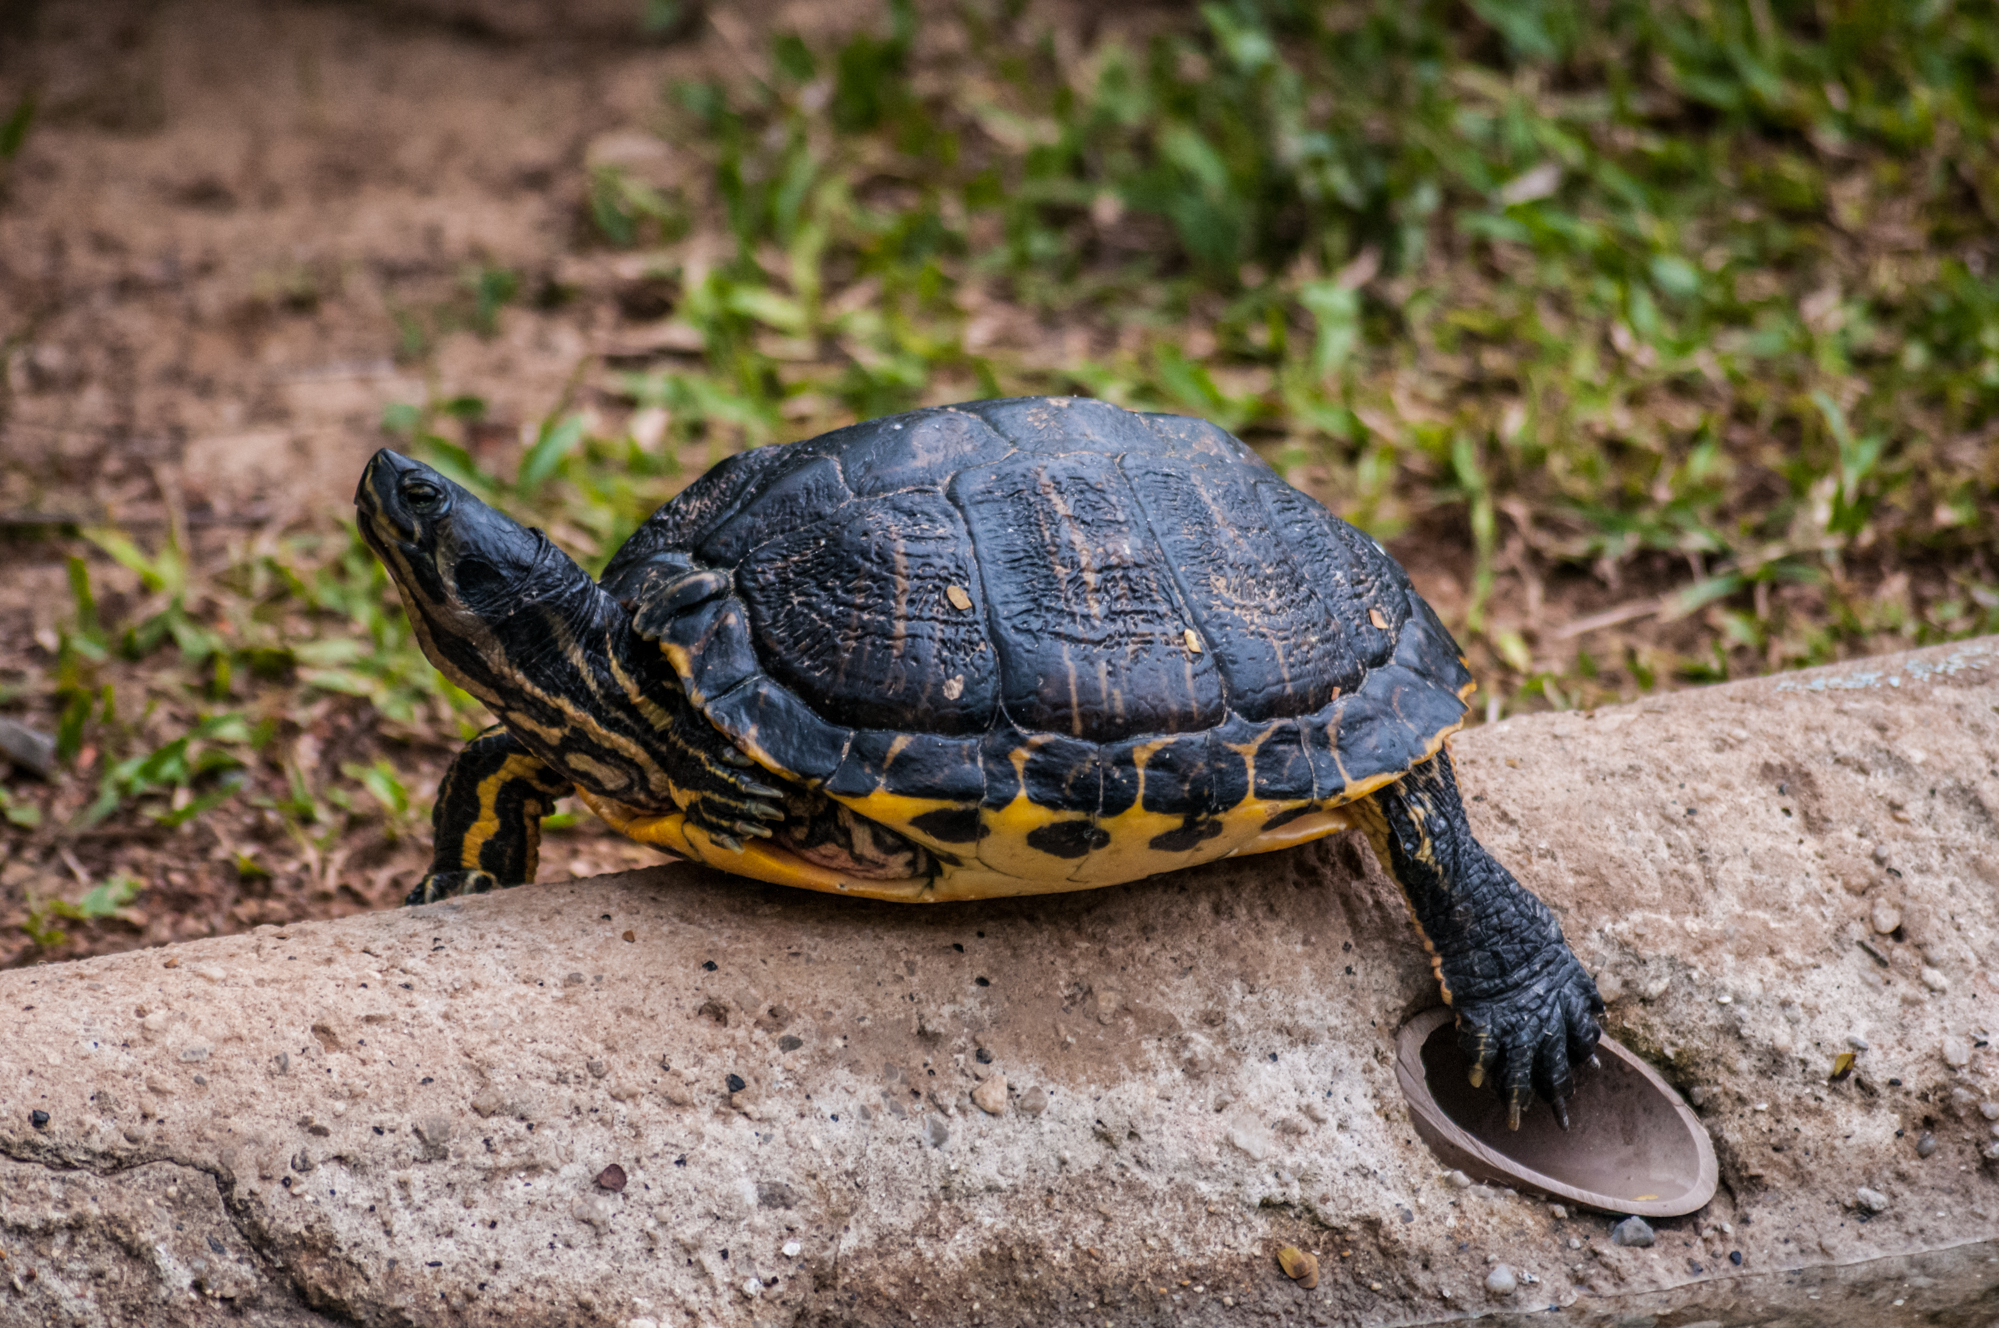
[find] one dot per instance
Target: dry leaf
(1299, 1266)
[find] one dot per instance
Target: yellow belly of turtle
(1006, 860)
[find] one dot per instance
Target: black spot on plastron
(1197, 831)
(953, 825)
(1067, 839)
(1286, 818)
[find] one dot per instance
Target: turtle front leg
(1526, 1009)
(486, 827)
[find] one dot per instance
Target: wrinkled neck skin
(566, 674)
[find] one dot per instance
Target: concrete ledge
(614, 1101)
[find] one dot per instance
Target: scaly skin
(487, 823)
(1527, 1011)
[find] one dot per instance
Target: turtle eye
(422, 495)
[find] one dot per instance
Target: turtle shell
(1058, 643)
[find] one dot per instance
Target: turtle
(1004, 647)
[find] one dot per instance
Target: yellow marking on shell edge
(488, 824)
(1301, 831)
(960, 599)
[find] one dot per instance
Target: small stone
(1457, 1180)
(598, 1069)
(1881, 856)
(1250, 1141)
(736, 1083)
(752, 1287)
(1934, 979)
(1990, 1152)
(1872, 1200)
(133, 1136)
(1560, 1212)
(1926, 1145)
(196, 1053)
(1886, 917)
(1700, 1095)
(572, 979)
(1989, 1109)
(1857, 1042)
(791, 1249)
(39, 1119)
(1033, 1102)
(594, 1211)
(611, 1178)
(1501, 1281)
(1300, 1266)
(990, 1096)
(1610, 987)
(1633, 1231)
(1956, 1051)
(935, 1132)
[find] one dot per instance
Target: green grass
(1686, 308)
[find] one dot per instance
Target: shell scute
(800, 495)
(1089, 628)
(855, 613)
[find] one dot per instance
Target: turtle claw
(1523, 1041)
(729, 842)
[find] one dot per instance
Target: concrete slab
(669, 1097)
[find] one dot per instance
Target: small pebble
(39, 1119)
(1934, 979)
(1634, 1231)
(990, 1096)
(1989, 1110)
(1881, 855)
(752, 1288)
(736, 1083)
(1956, 1052)
(1926, 1145)
(1886, 917)
(611, 1178)
(1990, 1152)
(1700, 1095)
(1457, 1180)
(1560, 1212)
(1575, 1243)
(791, 1249)
(1501, 1281)
(1033, 1102)
(1857, 1042)
(1872, 1200)
(935, 1132)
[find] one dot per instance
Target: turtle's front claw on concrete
(449, 884)
(1523, 1041)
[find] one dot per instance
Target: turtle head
(486, 595)
(450, 553)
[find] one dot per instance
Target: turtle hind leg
(1526, 1010)
(831, 834)
(486, 827)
